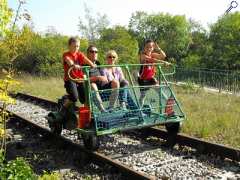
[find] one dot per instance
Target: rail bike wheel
(90, 141)
(55, 123)
(173, 128)
(145, 132)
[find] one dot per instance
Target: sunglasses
(112, 57)
(92, 51)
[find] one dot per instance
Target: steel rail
(93, 155)
(202, 146)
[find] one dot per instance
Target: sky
(64, 14)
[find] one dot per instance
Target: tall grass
(211, 116)
(50, 88)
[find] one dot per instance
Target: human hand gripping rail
(77, 79)
(79, 67)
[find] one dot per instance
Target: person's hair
(73, 40)
(148, 41)
(145, 42)
(112, 52)
(90, 47)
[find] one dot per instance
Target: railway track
(146, 158)
(95, 157)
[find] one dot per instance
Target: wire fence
(222, 80)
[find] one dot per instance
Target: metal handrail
(79, 80)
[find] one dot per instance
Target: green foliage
(171, 32)
(119, 39)
(192, 60)
(2, 158)
(5, 18)
(49, 176)
(5, 99)
(190, 87)
(34, 53)
(16, 170)
(19, 169)
(224, 39)
(94, 25)
(187, 42)
(40, 55)
(14, 44)
(198, 47)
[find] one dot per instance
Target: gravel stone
(143, 154)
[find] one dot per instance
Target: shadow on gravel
(48, 154)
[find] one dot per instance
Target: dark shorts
(107, 90)
(75, 91)
(150, 82)
(103, 86)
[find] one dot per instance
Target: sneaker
(104, 111)
(143, 114)
(141, 101)
(109, 109)
(123, 106)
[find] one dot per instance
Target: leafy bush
(43, 56)
(119, 39)
(17, 169)
(49, 176)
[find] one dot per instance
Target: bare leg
(114, 95)
(98, 97)
(142, 97)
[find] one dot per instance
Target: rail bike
(160, 107)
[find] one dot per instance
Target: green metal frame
(138, 120)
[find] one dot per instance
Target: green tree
(5, 17)
(119, 39)
(41, 54)
(171, 32)
(10, 44)
(93, 26)
(198, 47)
(225, 41)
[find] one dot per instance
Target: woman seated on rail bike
(151, 53)
(99, 81)
(115, 73)
(74, 58)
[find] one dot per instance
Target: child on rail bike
(74, 58)
(151, 53)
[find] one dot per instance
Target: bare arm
(99, 78)
(145, 59)
(70, 63)
(160, 54)
(154, 59)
